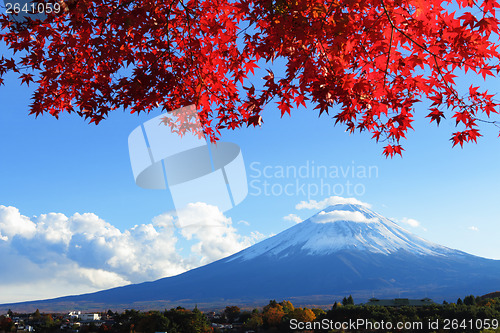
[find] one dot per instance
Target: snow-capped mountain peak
(343, 227)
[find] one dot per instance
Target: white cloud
(83, 253)
(342, 215)
(55, 229)
(52, 280)
(473, 228)
(165, 220)
(244, 222)
(24, 279)
(13, 223)
(216, 236)
(411, 222)
(258, 236)
(334, 200)
(292, 218)
(100, 278)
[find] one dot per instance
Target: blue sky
(52, 172)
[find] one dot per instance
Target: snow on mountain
(344, 227)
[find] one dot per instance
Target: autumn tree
(232, 313)
(153, 321)
(287, 306)
(302, 314)
(272, 314)
(48, 321)
(6, 324)
(336, 305)
(365, 63)
(187, 321)
(255, 321)
(318, 312)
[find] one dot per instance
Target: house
(74, 315)
(89, 316)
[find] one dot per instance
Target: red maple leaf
(367, 64)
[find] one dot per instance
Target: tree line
(465, 315)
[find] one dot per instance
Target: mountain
(344, 249)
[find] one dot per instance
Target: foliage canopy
(365, 62)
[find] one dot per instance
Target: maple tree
(367, 63)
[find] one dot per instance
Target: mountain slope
(342, 250)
